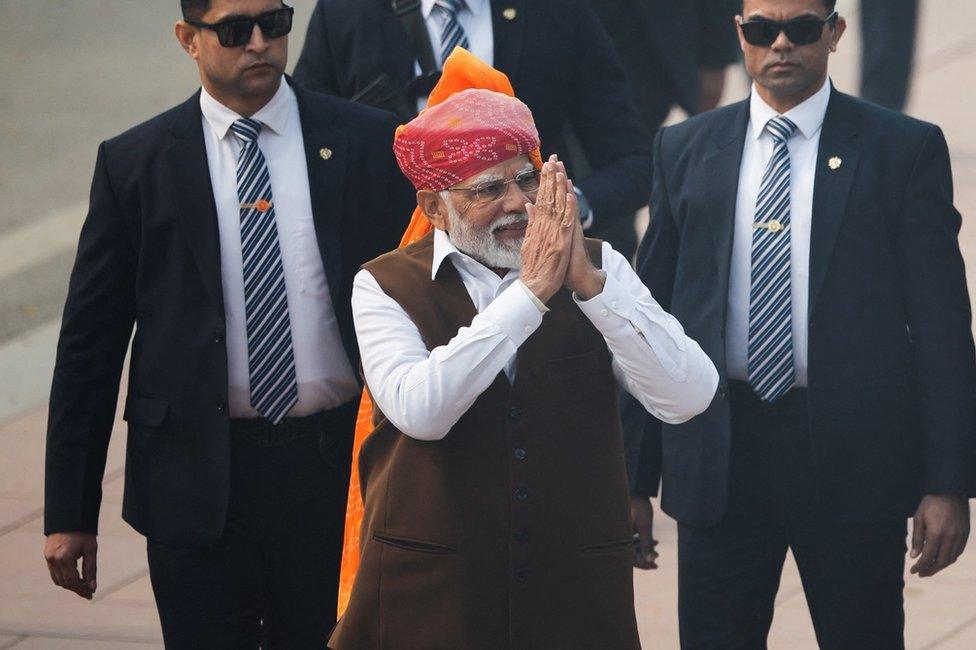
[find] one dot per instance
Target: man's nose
(258, 41)
(782, 42)
(515, 199)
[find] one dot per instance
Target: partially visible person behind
(496, 503)
(674, 53)
(808, 240)
(556, 54)
(888, 34)
(226, 231)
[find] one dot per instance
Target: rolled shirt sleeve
(653, 359)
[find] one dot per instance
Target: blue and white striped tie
(452, 34)
(271, 361)
(771, 371)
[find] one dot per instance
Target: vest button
(221, 406)
(520, 454)
(218, 337)
(521, 536)
(521, 575)
(521, 494)
(514, 413)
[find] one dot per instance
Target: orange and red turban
(471, 131)
(462, 72)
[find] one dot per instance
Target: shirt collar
(444, 248)
(473, 6)
(807, 115)
(273, 115)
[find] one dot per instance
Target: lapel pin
(325, 153)
(510, 13)
(835, 163)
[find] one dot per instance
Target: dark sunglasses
(527, 181)
(800, 31)
(235, 32)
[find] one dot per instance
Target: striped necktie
(451, 33)
(771, 371)
(271, 361)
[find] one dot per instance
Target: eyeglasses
(800, 31)
(491, 191)
(235, 32)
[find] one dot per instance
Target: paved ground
(76, 73)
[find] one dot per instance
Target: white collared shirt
(758, 149)
(325, 376)
(424, 393)
(475, 19)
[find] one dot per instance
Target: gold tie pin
(835, 163)
(772, 226)
(261, 205)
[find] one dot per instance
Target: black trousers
(888, 30)
(272, 580)
(728, 575)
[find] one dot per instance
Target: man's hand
(711, 85)
(549, 235)
(940, 531)
(581, 276)
(62, 552)
(642, 519)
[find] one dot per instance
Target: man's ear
(186, 34)
(839, 27)
(434, 207)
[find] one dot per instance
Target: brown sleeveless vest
(513, 531)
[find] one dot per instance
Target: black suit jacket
(892, 375)
(560, 62)
(149, 256)
(663, 44)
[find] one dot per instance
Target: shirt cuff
(541, 306)
(514, 313)
(610, 308)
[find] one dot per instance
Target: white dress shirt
(325, 376)
(424, 393)
(475, 19)
(758, 149)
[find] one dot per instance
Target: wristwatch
(585, 211)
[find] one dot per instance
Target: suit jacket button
(521, 575)
(218, 337)
(520, 454)
(521, 536)
(521, 494)
(514, 413)
(221, 406)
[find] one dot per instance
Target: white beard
(481, 243)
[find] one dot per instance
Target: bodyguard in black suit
(827, 451)
(560, 61)
(241, 500)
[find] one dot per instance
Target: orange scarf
(462, 70)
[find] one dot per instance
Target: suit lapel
(326, 154)
(193, 194)
(832, 185)
(508, 27)
(720, 168)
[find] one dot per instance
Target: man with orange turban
(496, 499)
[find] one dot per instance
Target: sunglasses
(485, 193)
(235, 32)
(800, 31)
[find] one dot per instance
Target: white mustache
(509, 220)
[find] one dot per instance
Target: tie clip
(772, 226)
(261, 205)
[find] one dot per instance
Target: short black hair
(193, 9)
(830, 4)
